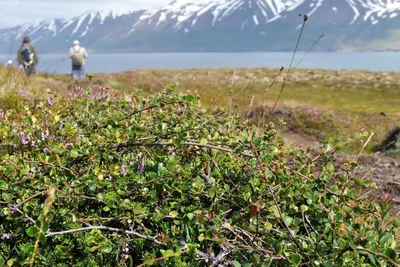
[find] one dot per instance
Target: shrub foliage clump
(99, 180)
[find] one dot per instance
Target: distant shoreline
(386, 61)
(222, 52)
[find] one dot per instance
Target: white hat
(76, 42)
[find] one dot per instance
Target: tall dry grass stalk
(51, 195)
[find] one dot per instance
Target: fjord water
(378, 61)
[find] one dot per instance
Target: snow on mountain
(183, 13)
(225, 20)
(178, 11)
(374, 10)
(77, 26)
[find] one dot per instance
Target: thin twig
(305, 225)
(136, 234)
(220, 89)
(162, 258)
(309, 50)
(363, 147)
(20, 211)
(124, 145)
(279, 96)
(309, 223)
(266, 93)
(206, 257)
(281, 219)
(305, 17)
(140, 111)
(54, 166)
(376, 254)
(291, 62)
(28, 199)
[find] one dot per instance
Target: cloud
(21, 11)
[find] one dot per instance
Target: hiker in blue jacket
(27, 57)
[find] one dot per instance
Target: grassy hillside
(316, 103)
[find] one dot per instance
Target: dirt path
(381, 169)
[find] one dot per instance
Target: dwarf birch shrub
(94, 180)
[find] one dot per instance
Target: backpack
(26, 54)
(77, 57)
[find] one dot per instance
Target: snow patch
(79, 23)
(255, 19)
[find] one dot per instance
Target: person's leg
(81, 72)
(74, 73)
(33, 69)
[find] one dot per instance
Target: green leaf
(303, 208)
(189, 98)
(45, 227)
(386, 238)
(358, 182)
(168, 253)
(74, 153)
(32, 231)
(42, 237)
(372, 258)
(396, 222)
(106, 247)
(190, 216)
(391, 253)
(295, 259)
(28, 249)
(236, 264)
(330, 167)
(201, 237)
(173, 213)
(149, 262)
(329, 263)
(2, 261)
(275, 211)
(7, 196)
(10, 262)
(203, 141)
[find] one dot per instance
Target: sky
(21, 11)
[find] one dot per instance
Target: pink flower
(50, 102)
(125, 257)
(6, 236)
(45, 135)
(78, 89)
(140, 168)
(122, 170)
(24, 138)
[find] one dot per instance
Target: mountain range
(221, 25)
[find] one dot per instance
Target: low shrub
(94, 180)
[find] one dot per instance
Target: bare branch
(225, 252)
(136, 234)
(28, 199)
(20, 211)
